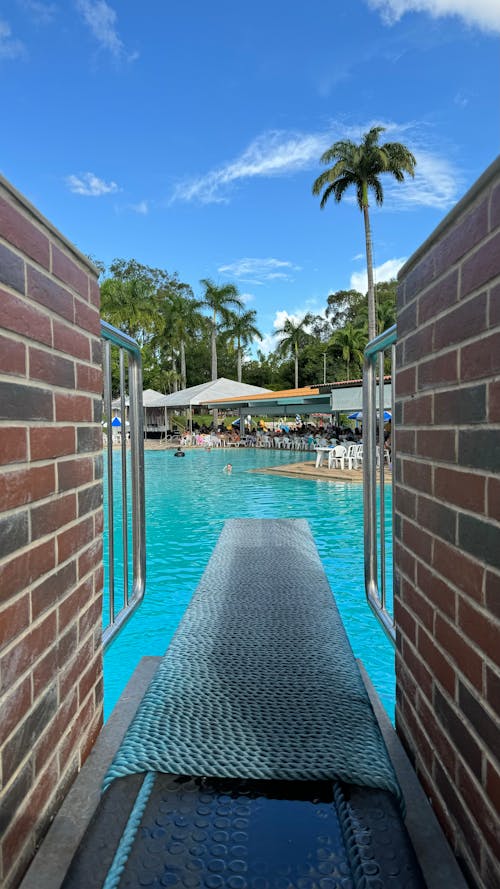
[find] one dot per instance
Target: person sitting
(179, 452)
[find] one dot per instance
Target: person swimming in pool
(228, 468)
(179, 453)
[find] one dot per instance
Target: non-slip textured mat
(259, 680)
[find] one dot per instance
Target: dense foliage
(178, 333)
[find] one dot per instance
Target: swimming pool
(187, 502)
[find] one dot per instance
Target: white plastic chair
(336, 457)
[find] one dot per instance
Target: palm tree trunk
(183, 366)
(347, 371)
(174, 368)
(239, 363)
(296, 368)
(214, 348)
(372, 328)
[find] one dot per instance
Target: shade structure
(211, 391)
(358, 415)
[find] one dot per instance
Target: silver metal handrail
(374, 355)
(112, 337)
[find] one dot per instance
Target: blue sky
(188, 135)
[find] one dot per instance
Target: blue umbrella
(358, 415)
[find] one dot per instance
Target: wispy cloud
(271, 340)
(258, 271)
(41, 13)
(101, 19)
(90, 185)
(274, 153)
(385, 272)
(484, 14)
(279, 153)
(247, 298)
(142, 208)
(10, 47)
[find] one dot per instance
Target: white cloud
(385, 272)
(100, 18)
(42, 13)
(10, 47)
(260, 270)
(485, 14)
(247, 298)
(274, 153)
(436, 184)
(270, 340)
(90, 185)
(142, 208)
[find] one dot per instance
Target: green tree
(218, 300)
(293, 337)
(350, 342)
(182, 319)
(242, 328)
(361, 166)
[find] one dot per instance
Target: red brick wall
(50, 524)
(447, 534)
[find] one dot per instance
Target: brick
(94, 293)
(420, 276)
(480, 359)
(417, 603)
(406, 382)
(459, 814)
(406, 441)
(458, 731)
(19, 402)
(468, 320)
(46, 291)
(438, 371)
(467, 661)
(70, 272)
(437, 662)
(438, 298)
(45, 672)
(463, 237)
(90, 499)
(418, 669)
(52, 589)
(492, 593)
(495, 207)
(15, 704)
(22, 486)
(73, 408)
(20, 231)
(51, 368)
(73, 539)
(99, 522)
(75, 473)
(417, 540)
(28, 732)
(70, 341)
(90, 619)
(475, 801)
(440, 741)
(51, 516)
(11, 269)
(417, 411)
(480, 538)
(481, 628)
(481, 267)
(52, 737)
(12, 357)
(417, 475)
(89, 379)
(49, 442)
(89, 438)
(406, 502)
(24, 318)
(91, 557)
(407, 320)
(493, 785)
(14, 533)
(14, 619)
(25, 568)
(69, 608)
(418, 344)
(437, 518)
(13, 799)
(463, 489)
(479, 450)
(87, 317)
(89, 678)
(70, 676)
(405, 561)
(30, 823)
(436, 444)
(494, 310)
(29, 648)
(96, 351)
(13, 444)
(405, 621)
(461, 406)
(494, 401)
(98, 467)
(457, 567)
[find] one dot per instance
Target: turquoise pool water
(187, 502)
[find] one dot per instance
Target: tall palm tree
(218, 300)
(242, 328)
(350, 341)
(184, 317)
(361, 166)
(293, 337)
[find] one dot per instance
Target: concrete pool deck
(308, 469)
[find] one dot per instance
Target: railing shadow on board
(128, 349)
(374, 360)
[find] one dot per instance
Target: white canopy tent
(211, 391)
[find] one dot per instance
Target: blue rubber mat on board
(259, 680)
